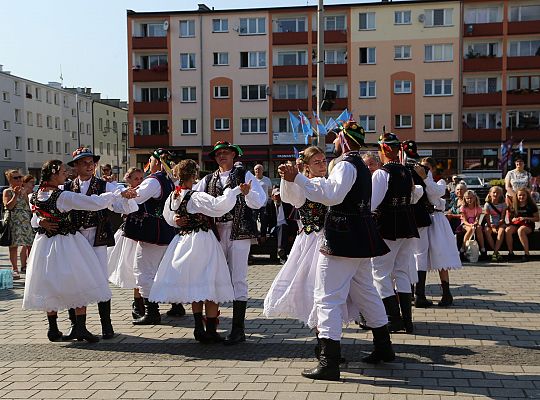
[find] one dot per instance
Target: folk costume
(121, 259)
(236, 229)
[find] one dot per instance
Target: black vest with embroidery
(349, 228)
(48, 209)
(312, 216)
(194, 222)
(243, 222)
(395, 216)
(87, 219)
(423, 208)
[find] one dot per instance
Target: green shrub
(497, 182)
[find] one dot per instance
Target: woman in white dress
(62, 271)
(194, 269)
(121, 257)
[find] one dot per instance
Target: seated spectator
(495, 212)
(521, 219)
(470, 218)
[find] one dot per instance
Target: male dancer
(344, 266)
(236, 228)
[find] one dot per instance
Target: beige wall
(109, 136)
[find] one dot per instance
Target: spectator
(451, 187)
(372, 161)
(521, 217)
(106, 173)
(495, 211)
(265, 181)
(29, 182)
(470, 218)
(515, 179)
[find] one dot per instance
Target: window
(221, 124)
(525, 48)
(115, 149)
(367, 55)
(88, 129)
(187, 61)
(189, 126)
(437, 122)
(291, 25)
(438, 87)
(152, 30)
(5, 97)
(525, 13)
(402, 87)
(253, 92)
(291, 90)
(49, 122)
(253, 125)
(403, 121)
(402, 52)
(438, 17)
(524, 82)
(73, 112)
(73, 135)
(335, 23)
(28, 92)
(18, 116)
(438, 52)
(524, 120)
(482, 120)
(475, 50)
(402, 17)
(40, 145)
(66, 125)
(482, 15)
(153, 94)
(16, 88)
(56, 99)
(366, 21)
(57, 123)
(6, 125)
(81, 127)
(65, 100)
(37, 92)
(29, 118)
(66, 148)
(340, 88)
(220, 25)
(367, 122)
(152, 127)
(115, 126)
(49, 146)
(480, 85)
(100, 124)
(187, 28)
(7, 154)
(367, 89)
(252, 26)
(252, 59)
(189, 94)
(58, 146)
(39, 120)
(48, 96)
(335, 56)
(221, 92)
(221, 58)
(101, 147)
(284, 125)
(155, 62)
(108, 149)
(30, 144)
(292, 58)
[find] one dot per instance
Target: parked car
(477, 184)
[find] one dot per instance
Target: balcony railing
(151, 107)
(527, 62)
(151, 75)
(290, 71)
(340, 103)
(531, 133)
(482, 99)
(524, 97)
(150, 42)
(289, 38)
(331, 37)
(523, 27)
(481, 135)
(490, 29)
(332, 70)
(151, 141)
(482, 64)
(289, 104)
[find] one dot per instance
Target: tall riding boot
(237, 334)
(53, 333)
(447, 298)
(107, 331)
(71, 333)
(151, 315)
(317, 350)
(177, 310)
(395, 323)
(328, 367)
(137, 307)
(421, 301)
(81, 333)
(199, 333)
(211, 330)
(383, 347)
(405, 304)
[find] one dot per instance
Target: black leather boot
(447, 298)
(53, 333)
(237, 334)
(317, 350)
(211, 330)
(199, 333)
(71, 333)
(137, 308)
(107, 331)
(151, 314)
(383, 347)
(391, 305)
(177, 310)
(81, 333)
(420, 300)
(328, 367)
(405, 304)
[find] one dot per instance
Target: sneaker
(483, 256)
(495, 257)
(510, 257)
(525, 258)
(16, 275)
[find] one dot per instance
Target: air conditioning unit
(421, 18)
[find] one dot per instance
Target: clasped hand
(288, 172)
(129, 193)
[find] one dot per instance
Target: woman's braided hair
(49, 169)
(186, 170)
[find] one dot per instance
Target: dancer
(194, 269)
(236, 228)
(62, 269)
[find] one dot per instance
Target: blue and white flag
(321, 129)
(295, 121)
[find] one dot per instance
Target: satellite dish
(166, 25)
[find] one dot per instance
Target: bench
(534, 242)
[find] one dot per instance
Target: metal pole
(320, 65)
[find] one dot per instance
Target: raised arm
(203, 203)
(256, 198)
(68, 201)
(292, 193)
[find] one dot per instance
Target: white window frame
(443, 122)
(58, 147)
(261, 90)
(340, 88)
(436, 82)
(335, 56)
(29, 144)
(482, 82)
(399, 121)
(400, 86)
(259, 129)
(368, 122)
(222, 124)
(519, 50)
(475, 15)
(371, 56)
(16, 88)
(446, 50)
(191, 61)
(402, 17)
(430, 17)
(7, 154)
(39, 145)
(39, 120)
(370, 20)
(5, 97)
(370, 88)
(297, 54)
(335, 20)
(29, 118)
(66, 148)
(187, 28)
(191, 92)
(218, 92)
(291, 91)
(57, 123)
(18, 116)
(6, 125)
(50, 147)
(520, 13)
(260, 62)
(191, 125)
(223, 25)
(297, 22)
(474, 49)
(478, 115)
(245, 26)
(221, 58)
(402, 49)
(37, 92)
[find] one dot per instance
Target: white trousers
(101, 252)
(339, 277)
(147, 259)
(236, 254)
(394, 268)
(421, 252)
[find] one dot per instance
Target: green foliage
(497, 182)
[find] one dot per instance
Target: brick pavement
(486, 346)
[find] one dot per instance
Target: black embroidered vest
(312, 216)
(48, 209)
(349, 228)
(195, 222)
(395, 216)
(423, 208)
(243, 222)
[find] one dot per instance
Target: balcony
(331, 37)
(289, 104)
(528, 62)
(482, 99)
(523, 27)
(151, 107)
(524, 133)
(150, 42)
(152, 141)
(523, 98)
(289, 38)
(290, 71)
(332, 70)
(481, 135)
(490, 29)
(482, 64)
(340, 103)
(150, 75)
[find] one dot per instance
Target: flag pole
(320, 67)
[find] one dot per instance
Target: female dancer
(62, 269)
(194, 269)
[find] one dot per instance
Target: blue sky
(87, 38)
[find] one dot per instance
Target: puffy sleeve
(68, 201)
(200, 186)
(148, 188)
(434, 190)
(292, 193)
(416, 193)
(256, 198)
(171, 205)
(379, 183)
(203, 203)
(329, 191)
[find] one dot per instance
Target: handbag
(5, 231)
(472, 250)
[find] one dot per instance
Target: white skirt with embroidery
(121, 259)
(443, 251)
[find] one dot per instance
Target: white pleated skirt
(121, 259)
(443, 251)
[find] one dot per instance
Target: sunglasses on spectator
(16, 177)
